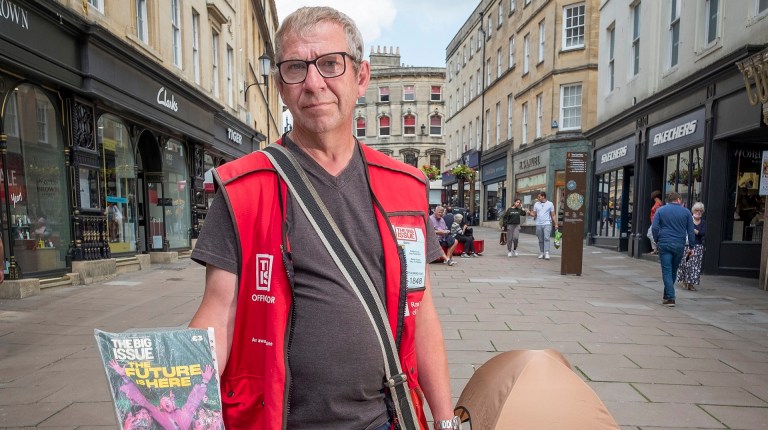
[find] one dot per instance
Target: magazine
(162, 379)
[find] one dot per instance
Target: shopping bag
(503, 238)
(558, 238)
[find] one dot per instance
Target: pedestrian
(464, 235)
(657, 203)
(510, 222)
(544, 214)
(448, 215)
(689, 273)
(298, 348)
(445, 238)
(672, 226)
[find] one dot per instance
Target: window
(142, 30)
(196, 46)
(458, 101)
(384, 94)
(611, 67)
(510, 104)
(527, 2)
(471, 89)
(511, 51)
(479, 83)
(436, 93)
(674, 32)
(636, 39)
(176, 30)
(490, 27)
(524, 139)
(570, 107)
(573, 28)
(527, 53)
(409, 125)
(512, 6)
(465, 55)
(434, 160)
(471, 45)
(762, 6)
(360, 126)
(97, 4)
(435, 125)
(487, 128)
(477, 132)
(498, 123)
(470, 135)
(450, 70)
(542, 36)
(463, 129)
(711, 21)
(464, 96)
(498, 63)
(384, 126)
(230, 76)
(744, 221)
(360, 100)
(42, 120)
(12, 118)
(487, 73)
(479, 38)
(450, 105)
(215, 63)
(539, 114)
(501, 13)
(408, 94)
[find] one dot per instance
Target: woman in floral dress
(689, 273)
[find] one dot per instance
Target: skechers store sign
(681, 133)
(615, 155)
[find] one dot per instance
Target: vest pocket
(242, 401)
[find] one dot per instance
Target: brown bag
(503, 238)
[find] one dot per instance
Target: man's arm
(431, 358)
(554, 216)
(655, 229)
(217, 310)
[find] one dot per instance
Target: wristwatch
(452, 424)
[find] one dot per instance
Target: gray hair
(698, 206)
(307, 18)
(458, 218)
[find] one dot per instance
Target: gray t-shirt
(335, 360)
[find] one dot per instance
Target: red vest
(254, 382)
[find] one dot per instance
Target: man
(295, 343)
(510, 222)
(657, 203)
(672, 230)
(448, 215)
(544, 214)
(444, 236)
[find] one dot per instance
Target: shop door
(155, 203)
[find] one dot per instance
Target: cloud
(371, 17)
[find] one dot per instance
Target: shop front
(611, 218)
(494, 178)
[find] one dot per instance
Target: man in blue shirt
(672, 230)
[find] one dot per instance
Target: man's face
(439, 212)
(318, 104)
(542, 198)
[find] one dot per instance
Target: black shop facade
(702, 139)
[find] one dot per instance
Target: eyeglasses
(329, 66)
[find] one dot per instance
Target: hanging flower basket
(432, 172)
(463, 172)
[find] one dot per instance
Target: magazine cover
(162, 379)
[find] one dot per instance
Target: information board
(574, 212)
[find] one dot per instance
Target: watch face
(571, 185)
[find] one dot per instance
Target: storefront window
(494, 200)
(609, 215)
(176, 193)
(683, 174)
(746, 207)
(36, 180)
(120, 186)
(528, 187)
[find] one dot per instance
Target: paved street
(700, 365)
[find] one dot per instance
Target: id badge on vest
(411, 240)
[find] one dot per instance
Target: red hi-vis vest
(255, 381)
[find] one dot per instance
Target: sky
(421, 28)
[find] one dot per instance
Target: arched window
(360, 127)
(409, 124)
(384, 126)
(410, 156)
(435, 125)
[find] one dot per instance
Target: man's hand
(116, 367)
(207, 373)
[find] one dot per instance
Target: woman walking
(689, 273)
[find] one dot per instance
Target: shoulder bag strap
(306, 196)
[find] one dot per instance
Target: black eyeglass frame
(343, 54)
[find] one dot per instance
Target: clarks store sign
(680, 133)
(163, 100)
(14, 14)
